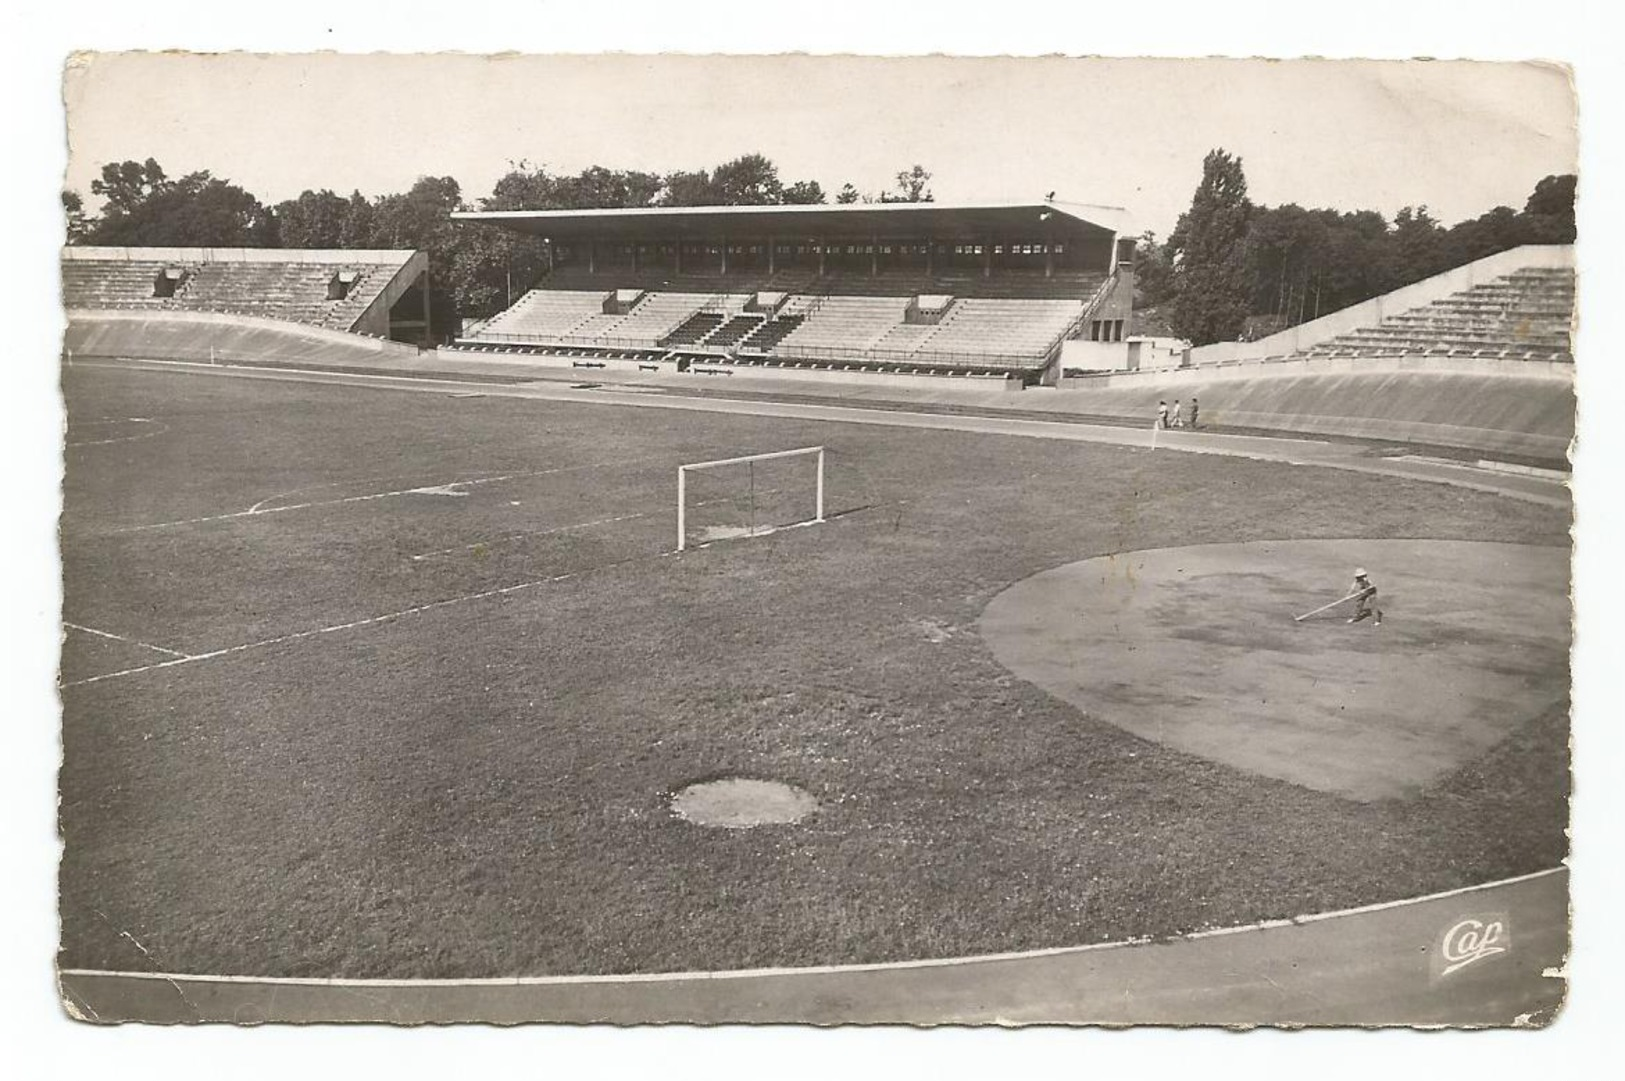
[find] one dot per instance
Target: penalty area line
(122, 638)
(259, 509)
(334, 628)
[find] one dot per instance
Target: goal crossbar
(682, 483)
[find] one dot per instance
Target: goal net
(749, 496)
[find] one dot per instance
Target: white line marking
(122, 638)
(351, 625)
(260, 509)
(510, 538)
(145, 434)
(811, 970)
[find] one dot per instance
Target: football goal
(749, 496)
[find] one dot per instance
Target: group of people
(1176, 418)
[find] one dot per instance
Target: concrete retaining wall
(185, 335)
(1506, 414)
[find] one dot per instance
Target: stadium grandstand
(379, 293)
(913, 288)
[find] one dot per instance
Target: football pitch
(366, 683)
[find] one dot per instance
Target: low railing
(967, 357)
(565, 339)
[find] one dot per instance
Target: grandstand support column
(679, 255)
(635, 247)
(930, 257)
(821, 253)
(550, 255)
(592, 257)
(725, 254)
(874, 254)
(1049, 259)
(987, 257)
(772, 254)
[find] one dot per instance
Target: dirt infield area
(1198, 648)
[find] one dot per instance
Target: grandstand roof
(947, 220)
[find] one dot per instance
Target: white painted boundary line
(351, 625)
(515, 537)
(812, 970)
(144, 434)
(122, 638)
(260, 509)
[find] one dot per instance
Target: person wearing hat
(1365, 598)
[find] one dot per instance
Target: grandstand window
(1060, 249)
(998, 249)
(1117, 330)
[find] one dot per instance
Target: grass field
(402, 683)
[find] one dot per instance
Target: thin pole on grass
(682, 506)
(818, 515)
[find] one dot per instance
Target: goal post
(762, 503)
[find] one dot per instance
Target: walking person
(1162, 414)
(1195, 408)
(1179, 414)
(1365, 601)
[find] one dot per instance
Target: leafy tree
(523, 187)
(1153, 271)
(847, 195)
(751, 180)
(804, 192)
(911, 187)
(688, 189)
(1549, 211)
(356, 232)
(125, 185)
(73, 209)
(1208, 243)
(197, 210)
(316, 219)
(1495, 231)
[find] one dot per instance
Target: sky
(1459, 137)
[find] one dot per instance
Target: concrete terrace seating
(734, 331)
(546, 313)
(1527, 313)
(844, 322)
(694, 328)
(114, 283)
(655, 316)
(292, 291)
(771, 333)
(985, 325)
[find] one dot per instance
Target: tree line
(475, 271)
(1234, 269)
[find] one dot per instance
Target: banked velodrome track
(1485, 955)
